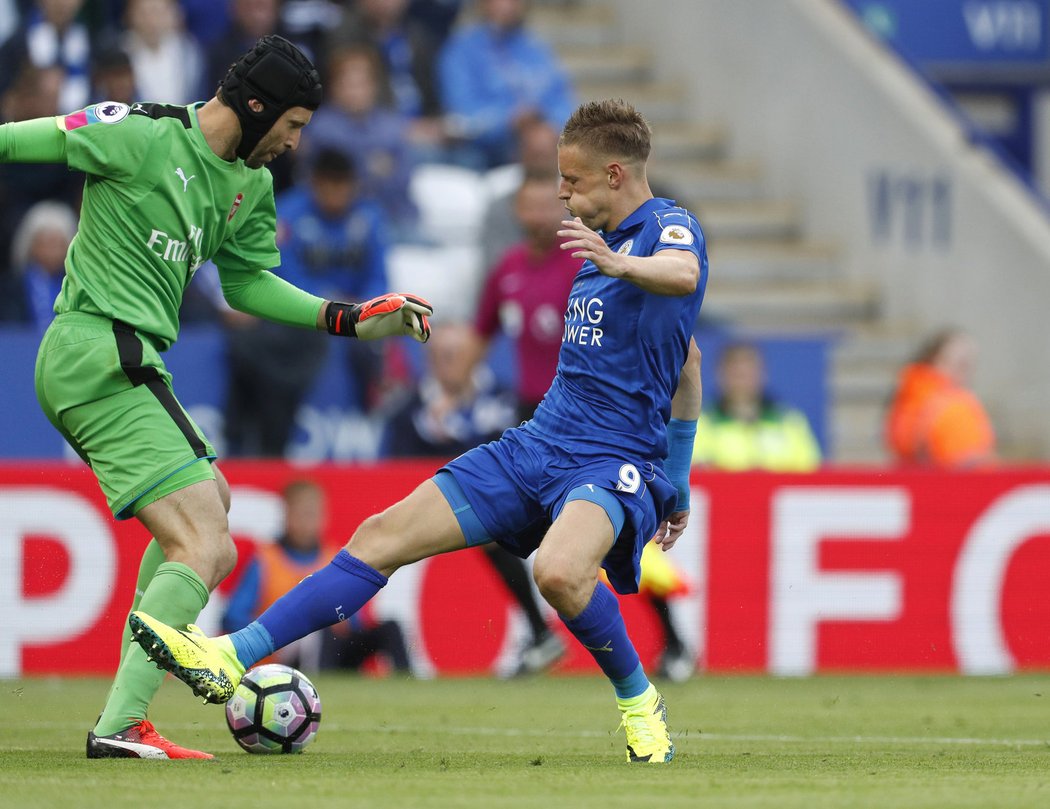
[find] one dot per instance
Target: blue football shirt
(623, 348)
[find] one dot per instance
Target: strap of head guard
(276, 73)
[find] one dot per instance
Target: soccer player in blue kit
(600, 469)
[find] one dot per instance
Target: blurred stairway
(767, 276)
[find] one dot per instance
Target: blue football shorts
(510, 491)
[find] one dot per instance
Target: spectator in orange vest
(934, 419)
(279, 566)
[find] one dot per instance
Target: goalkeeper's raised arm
(40, 140)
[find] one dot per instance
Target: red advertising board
(866, 570)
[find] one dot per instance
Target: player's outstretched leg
(213, 667)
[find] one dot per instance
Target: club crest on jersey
(676, 234)
(237, 200)
(625, 248)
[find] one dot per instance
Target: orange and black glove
(386, 316)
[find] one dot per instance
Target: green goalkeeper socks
(152, 558)
(175, 595)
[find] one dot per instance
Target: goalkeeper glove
(386, 316)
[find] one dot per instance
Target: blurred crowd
(438, 134)
(411, 87)
(405, 84)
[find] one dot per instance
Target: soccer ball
(275, 709)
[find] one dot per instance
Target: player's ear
(614, 175)
(255, 105)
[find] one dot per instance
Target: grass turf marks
(551, 742)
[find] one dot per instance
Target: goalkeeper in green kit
(169, 187)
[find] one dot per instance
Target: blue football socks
(332, 594)
(252, 643)
(601, 630)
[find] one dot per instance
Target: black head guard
(279, 75)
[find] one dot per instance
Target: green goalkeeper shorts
(107, 391)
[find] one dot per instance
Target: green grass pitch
(551, 742)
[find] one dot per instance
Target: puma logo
(185, 179)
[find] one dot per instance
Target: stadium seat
(449, 276)
(451, 202)
(503, 180)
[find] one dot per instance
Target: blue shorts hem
(603, 498)
(473, 530)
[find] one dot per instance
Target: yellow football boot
(645, 721)
(207, 665)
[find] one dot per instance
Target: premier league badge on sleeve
(111, 112)
(676, 234)
(108, 112)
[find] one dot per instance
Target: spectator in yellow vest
(280, 565)
(746, 429)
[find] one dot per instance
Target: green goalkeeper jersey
(158, 203)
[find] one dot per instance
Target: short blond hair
(611, 127)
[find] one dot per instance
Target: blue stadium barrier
(328, 426)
